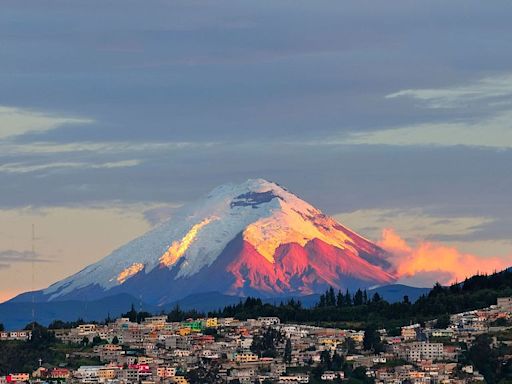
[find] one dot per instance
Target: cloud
(490, 132)
(487, 89)
(110, 147)
(11, 256)
(15, 121)
(481, 117)
(416, 222)
(160, 214)
(428, 259)
(28, 168)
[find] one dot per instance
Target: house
(59, 373)
(422, 351)
(331, 375)
(410, 332)
(212, 322)
(17, 377)
(246, 357)
(505, 304)
(299, 378)
(268, 321)
(165, 372)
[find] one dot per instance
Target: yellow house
(107, 373)
(246, 357)
(212, 322)
(184, 331)
(180, 380)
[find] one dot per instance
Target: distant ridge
(17, 314)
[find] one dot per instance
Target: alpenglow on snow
(253, 238)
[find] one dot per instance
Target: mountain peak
(247, 238)
(234, 190)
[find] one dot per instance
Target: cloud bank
(424, 261)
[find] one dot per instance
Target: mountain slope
(254, 238)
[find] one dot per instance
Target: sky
(395, 117)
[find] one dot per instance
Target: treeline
(175, 314)
(359, 309)
(332, 299)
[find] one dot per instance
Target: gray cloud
(11, 256)
(158, 215)
(188, 95)
(491, 90)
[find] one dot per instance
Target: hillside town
(264, 350)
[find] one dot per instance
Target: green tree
(348, 298)
(266, 343)
(321, 301)
(376, 297)
(287, 358)
(331, 298)
(349, 345)
(115, 340)
(340, 299)
(443, 321)
(360, 374)
(96, 340)
(358, 297)
(371, 340)
(337, 362)
(325, 360)
(131, 314)
(484, 358)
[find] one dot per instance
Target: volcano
(254, 238)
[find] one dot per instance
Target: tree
(266, 343)
(141, 316)
(358, 297)
(1, 327)
(41, 337)
(131, 314)
(484, 357)
(340, 299)
(287, 358)
(321, 301)
(325, 360)
(115, 340)
(331, 298)
(57, 324)
(443, 321)
(85, 341)
(349, 345)
(96, 340)
(376, 297)
(337, 362)
(348, 298)
(360, 374)
(371, 340)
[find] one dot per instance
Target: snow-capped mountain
(254, 238)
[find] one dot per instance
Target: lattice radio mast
(33, 275)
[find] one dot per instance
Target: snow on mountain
(248, 238)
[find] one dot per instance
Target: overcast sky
(386, 114)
